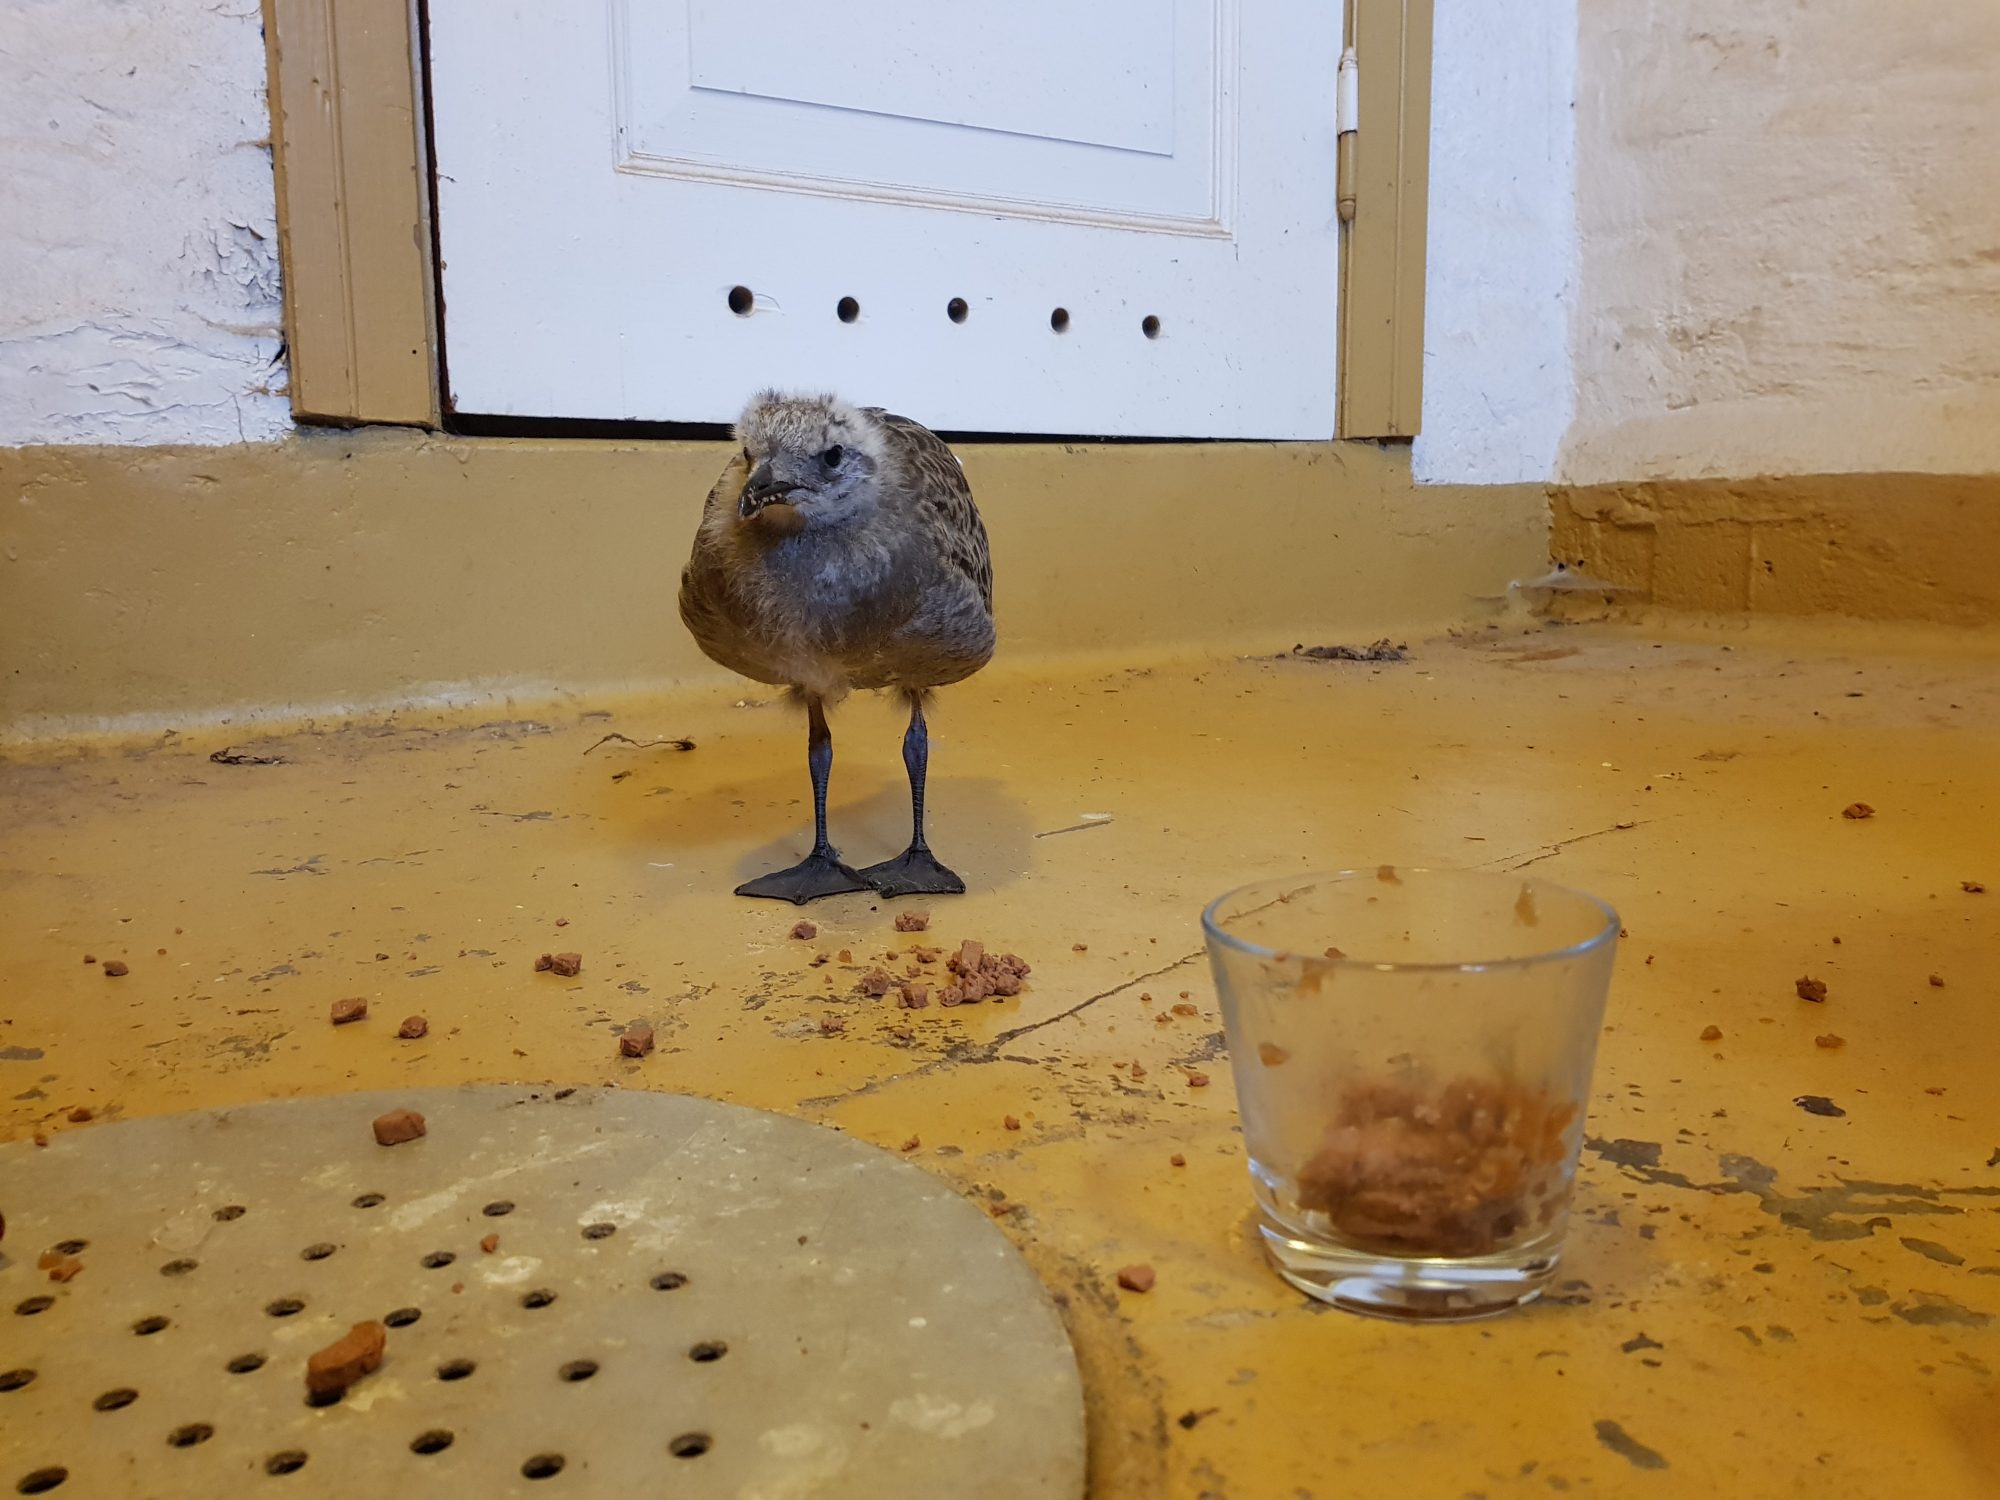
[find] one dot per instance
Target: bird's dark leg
(915, 872)
(820, 873)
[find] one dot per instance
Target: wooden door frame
(351, 154)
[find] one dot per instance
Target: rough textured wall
(1790, 226)
(139, 295)
(1501, 272)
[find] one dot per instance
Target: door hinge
(1347, 116)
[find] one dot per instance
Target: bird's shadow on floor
(974, 824)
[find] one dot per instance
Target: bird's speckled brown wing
(938, 483)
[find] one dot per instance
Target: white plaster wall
(139, 293)
(1790, 222)
(1501, 273)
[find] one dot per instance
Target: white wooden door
(1055, 216)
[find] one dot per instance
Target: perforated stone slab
(687, 1299)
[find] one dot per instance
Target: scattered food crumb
(1177, 1159)
(832, 1025)
(353, 1008)
(83, 1114)
(333, 1369)
(1388, 876)
(1335, 953)
(117, 968)
(1197, 1079)
(1137, 1278)
(398, 1126)
(562, 921)
(1526, 914)
(1819, 1104)
(412, 1028)
(488, 1245)
(1829, 1040)
(913, 921)
(1073, 947)
(876, 983)
(1270, 1054)
(1811, 989)
(913, 1142)
(805, 932)
(1970, 887)
(1711, 1033)
(568, 965)
(914, 997)
(59, 1266)
(90, 958)
(1935, 1089)
(1937, 981)
(846, 955)
(1010, 1122)
(1857, 811)
(982, 975)
(1188, 1419)
(636, 1040)
(1138, 1070)
(1182, 1008)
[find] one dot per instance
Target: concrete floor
(1757, 1300)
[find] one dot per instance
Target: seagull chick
(841, 549)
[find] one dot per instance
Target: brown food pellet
(116, 968)
(914, 997)
(1138, 1071)
(1711, 1033)
(1829, 1040)
(636, 1040)
(83, 1114)
(412, 1028)
(562, 921)
(1811, 989)
(1857, 811)
(1388, 876)
(1009, 1122)
(1177, 1159)
(331, 1370)
(63, 1268)
(1937, 981)
(1270, 1054)
(398, 1126)
(1452, 1170)
(805, 932)
(90, 958)
(488, 1245)
(1145, 997)
(1335, 953)
(1137, 1278)
(832, 1025)
(1182, 1008)
(876, 983)
(912, 1143)
(353, 1008)
(913, 921)
(846, 955)
(1970, 887)
(1197, 1079)
(1079, 947)
(968, 958)
(567, 965)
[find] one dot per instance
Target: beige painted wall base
(1919, 547)
(347, 571)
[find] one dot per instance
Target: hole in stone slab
(539, 1297)
(456, 1369)
(288, 1462)
(690, 1445)
(153, 1324)
(669, 1281)
(13, 1380)
(599, 1231)
(41, 1481)
(543, 1466)
(191, 1435)
(403, 1317)
(316, 1252)
(116, 1400)
(29, 1306)
(578, 1369)
(178, 1267)
(1059, 320)
(243, 1364)
(434, 1441)
(438, 1259)
(70, 1247)
(324, 1398)
(708, 1352)
(1150, 326)
(229, 1211)
(741, 300)
(847, 310)
(498, 1210)
(284, 1307)
(370, 1200)
(956, 309)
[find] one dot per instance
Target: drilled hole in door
(600, 1231)
(14, 1380)
(498, 1210)
(70, 1247)
(434, 1441)
(543, 1466)
(229, 1211)
(288, 1462)
(847, 310)
(741, 300)
(285, 1307)
(539, 1297)
(178, 1267)
(1059, 320)
(370, 1200)
(191, 1435)
(690, 1445)
(708, 1352)
(403, 1317)
(153, 1324)
(669, 1281)
(316, 1252)
(956, 309)
(41, 1481)
(456, 1369)
(29, 1306)
(578, 1369)
(243, 1364)
(438, 1259)
(1150, 326)
(116, 1400)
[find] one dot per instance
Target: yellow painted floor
(1758, 1301)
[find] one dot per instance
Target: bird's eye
(746, 455)
(832, 457)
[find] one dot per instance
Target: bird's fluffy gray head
(814, 454)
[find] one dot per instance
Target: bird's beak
(762, 489)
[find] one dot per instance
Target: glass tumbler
(1412, 1052)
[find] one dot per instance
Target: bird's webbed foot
(914, 872)
(819, 874)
